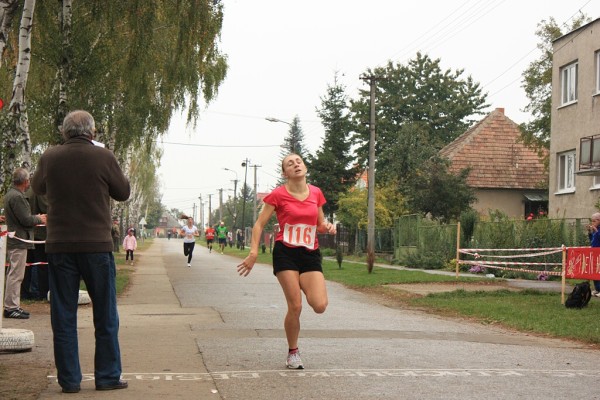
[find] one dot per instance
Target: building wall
(510, 202)
(572, 122)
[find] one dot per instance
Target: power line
(221, 145)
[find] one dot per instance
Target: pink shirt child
(130, 243)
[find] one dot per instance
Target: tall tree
(17, 141)
(292, 143)
(419, 95)
(131, 64)
(331, 167)
(537, 82)
(8, 8)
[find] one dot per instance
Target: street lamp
(271, 119)
(235, 181)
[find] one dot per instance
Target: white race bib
(300, 235)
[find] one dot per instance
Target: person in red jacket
(209, 233)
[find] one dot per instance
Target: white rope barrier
(482, 260)
(527, 249)
(477, 262)
(477, 255)
(532, 271)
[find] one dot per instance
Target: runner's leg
(290, 283)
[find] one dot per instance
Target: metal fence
(354, 241)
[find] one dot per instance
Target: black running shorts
(298, 259)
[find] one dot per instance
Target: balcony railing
(589, 153)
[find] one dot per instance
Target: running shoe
(18, 314)
(189, 265)
(293, 361)
(595, 293)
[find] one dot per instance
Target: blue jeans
(99, 273)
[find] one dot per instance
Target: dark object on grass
(339, 256)
(580, 296)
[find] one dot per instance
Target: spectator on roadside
(129, 245)
(19, 220)
(35, 281)
(239, 239)
(230, 239)
(115, 233)
(594, 236)
(79, 179)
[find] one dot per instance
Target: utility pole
(245, 165)
(255, 194)
(201, 213)
(371, 177)
(220, 205)
(209, 208)
(235, 181)
(194, 211)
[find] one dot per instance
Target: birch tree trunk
(64, 69)
(8, 8)
(17, 140)
(7, 13)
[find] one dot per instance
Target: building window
(569, 83)
(566, 171)
(598, 71)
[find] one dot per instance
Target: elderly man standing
(20, 221)
(79, 179)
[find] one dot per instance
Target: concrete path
(205, 333)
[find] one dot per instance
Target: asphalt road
(358, 349)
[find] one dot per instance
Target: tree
(8, 8)
(389, 206)
(17, 141)
(417, 97)
(293, 143)
(433, 190)
(331, 168)
(537, 82)
(131, 64)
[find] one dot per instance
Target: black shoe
(18, 314)
(74, 389)
(23, 311)
(121, 384)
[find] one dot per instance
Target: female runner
(296, 255)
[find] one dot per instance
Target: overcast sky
(283, 54)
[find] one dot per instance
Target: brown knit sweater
(78, 180)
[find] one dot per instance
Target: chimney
(500, 110)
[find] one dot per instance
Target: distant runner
(222, 235)
(210, 237)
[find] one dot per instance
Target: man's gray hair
(78, 123)
(596, 215)
(20, 176)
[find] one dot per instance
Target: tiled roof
(498, 159)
